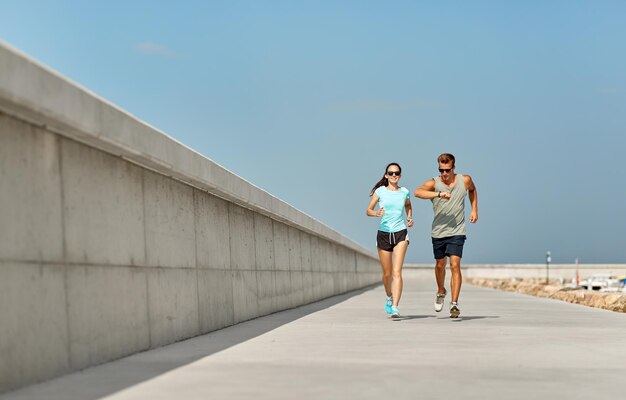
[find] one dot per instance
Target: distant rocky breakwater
(554, 290)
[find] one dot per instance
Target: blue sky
(310, 100)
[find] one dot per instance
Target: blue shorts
(448, 246)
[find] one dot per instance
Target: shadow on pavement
(470, 318)
(100, 381)
(408, 317)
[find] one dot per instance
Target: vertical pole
(548, 259)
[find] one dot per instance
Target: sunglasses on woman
(392, 173)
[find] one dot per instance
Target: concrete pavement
(505, 346)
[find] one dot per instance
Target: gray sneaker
(439, 300)
(454, 310)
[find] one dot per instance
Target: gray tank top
(449, 214)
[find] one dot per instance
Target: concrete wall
(115, 238)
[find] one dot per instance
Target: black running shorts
(388, 240)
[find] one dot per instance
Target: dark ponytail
(384, 181)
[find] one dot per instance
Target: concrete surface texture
(31, 92)
(115, 238)
(504, 346)
(100, 258)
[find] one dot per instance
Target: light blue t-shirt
(393, 202)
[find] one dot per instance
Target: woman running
(392, 239)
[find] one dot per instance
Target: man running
(447, 193)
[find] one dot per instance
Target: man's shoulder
(467, 180)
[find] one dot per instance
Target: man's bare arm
(473, 197)
(427, 191)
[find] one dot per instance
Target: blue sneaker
(388, 304)
(394, 312)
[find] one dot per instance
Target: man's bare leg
(455, 279)
(440, 274)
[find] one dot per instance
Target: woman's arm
(370, 208)
(409, 212)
